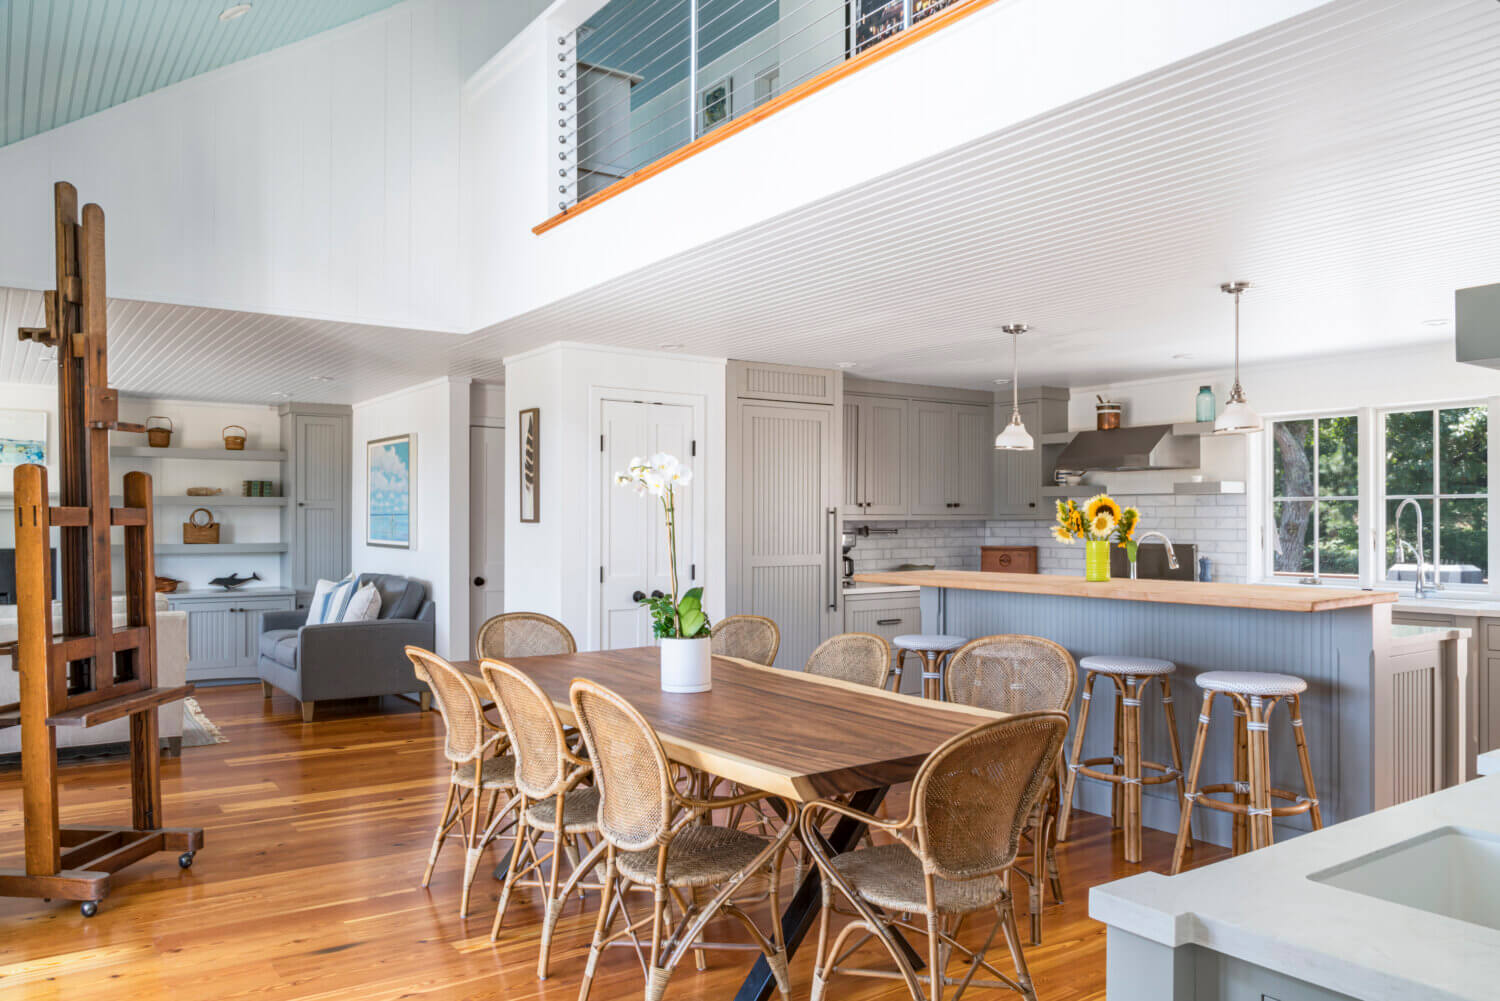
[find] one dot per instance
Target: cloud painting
(389, 498)
(23, 437)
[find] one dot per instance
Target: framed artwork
(531, 465)
(713, 105)
(23, 437)
(390, 498)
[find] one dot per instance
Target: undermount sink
(1452, 871)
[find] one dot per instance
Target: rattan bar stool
(1131, 676)
(1254, 696)
(935, 649)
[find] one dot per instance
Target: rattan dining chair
(657, 837)
(749, 637)
(1019, 674)
(548, 776)
(970, 802)
(522, 634)
(861, 658)
(476, 767)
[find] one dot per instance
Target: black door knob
(479, 582)
(638, 596)
(657, 594)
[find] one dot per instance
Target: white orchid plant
(661, 476)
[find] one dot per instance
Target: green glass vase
(1096, 560)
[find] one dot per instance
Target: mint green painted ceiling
(61, 60)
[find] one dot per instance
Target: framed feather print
(531, 465)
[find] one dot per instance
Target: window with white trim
(1314, 509)
(1439, 459)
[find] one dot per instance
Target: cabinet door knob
(479, 582)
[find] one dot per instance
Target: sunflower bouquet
(1100, 521)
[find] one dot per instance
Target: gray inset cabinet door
(884, 451)
(320, 513)
(216, 638)
(854, 460)
(1018, 475)
(932, 434)
(973, 448)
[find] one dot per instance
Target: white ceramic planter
(686, 665)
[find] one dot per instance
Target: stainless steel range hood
(1150, 447)
(1477, 318)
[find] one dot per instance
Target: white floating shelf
(1076, 490)
(1190, 428)
(1057, 437)
(219, 500)
(220, 549)
(1210, 487)
(245, 455)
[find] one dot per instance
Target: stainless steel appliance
(1151, 562)
(847, 543)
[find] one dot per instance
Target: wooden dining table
(780, 731)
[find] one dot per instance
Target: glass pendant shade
(1015, 437)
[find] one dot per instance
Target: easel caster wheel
(89, 908)
(185, 860)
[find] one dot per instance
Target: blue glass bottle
(1205, 403)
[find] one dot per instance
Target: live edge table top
(779, 731)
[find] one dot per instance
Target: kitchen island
(1384, 709)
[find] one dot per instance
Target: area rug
(197, 729)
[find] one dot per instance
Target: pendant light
(1236, 417)
(1015, 437)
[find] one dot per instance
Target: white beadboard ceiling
(1344, 162)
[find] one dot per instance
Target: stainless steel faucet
(1422, 586)
(1171, 553)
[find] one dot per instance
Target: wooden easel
(92, 673)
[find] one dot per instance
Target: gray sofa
(349, 660)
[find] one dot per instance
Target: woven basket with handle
(200, 532)
(235, 442)
(158, 436)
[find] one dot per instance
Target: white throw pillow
(364, 606)
(329, 600)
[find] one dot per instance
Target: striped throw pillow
(330, 599)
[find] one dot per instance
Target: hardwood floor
(307, 887)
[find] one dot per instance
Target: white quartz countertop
(1448, 606)
(880, 588)
(1264, 909)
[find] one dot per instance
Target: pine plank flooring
(307, 887)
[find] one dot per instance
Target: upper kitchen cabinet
(1021, 479)
(952, 450)
(875, 480)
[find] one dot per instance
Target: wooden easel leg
(145, 770)
(34, 621)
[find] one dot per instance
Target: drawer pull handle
(887, 622)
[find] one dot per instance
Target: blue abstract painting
(23, 437)
(389, 496)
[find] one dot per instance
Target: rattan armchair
(860, 658)
(477, 766)
(548, 775)
(749, 637)
(658, 837)
(970, 802)
(1018, 674)
(522, 634)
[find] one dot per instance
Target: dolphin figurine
(234, 580)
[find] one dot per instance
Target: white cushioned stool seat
(1140, 667)
(928, 641)
(1251, 683)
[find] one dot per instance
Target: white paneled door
(486, 524)
(633, 538)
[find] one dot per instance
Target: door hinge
(692, 571)
(693, 448)
(601, 443)
(601, 575)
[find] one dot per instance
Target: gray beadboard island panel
(1333, 651)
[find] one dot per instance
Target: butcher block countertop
(1268, 597)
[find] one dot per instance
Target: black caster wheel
(185, 860)
(89, 908)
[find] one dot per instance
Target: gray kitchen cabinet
(319, 447)
(1018, 475)
(887, 615)
(875, 481)
(224, 630)
(950, 458)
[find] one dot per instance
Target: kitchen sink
(1452, 871)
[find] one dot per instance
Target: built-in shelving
(1074, 490)
(219, 549)
(244, 455)
(220, 500)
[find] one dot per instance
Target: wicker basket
(235, 442)
(201, 533)
(158, 437)
(166, 585)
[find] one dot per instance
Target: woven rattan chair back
(535, 732)
(630, 768)
(749, 637)
(1013, 674)
(862, 658)
(972, 797)
(456, 702)
(522, 634)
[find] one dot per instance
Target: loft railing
(644, 83)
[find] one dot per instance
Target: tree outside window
(1440, 459)
(1315, 496)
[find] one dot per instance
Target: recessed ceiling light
(845, 364)
(1436, 321)
(1182, 357)
(1002, 382)
(322, 378)
(238, 10)
(278, 395)
(670, 347)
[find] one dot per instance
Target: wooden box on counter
(1007, 559)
